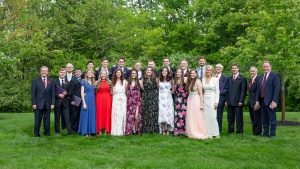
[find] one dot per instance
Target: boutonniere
(220, 78)
(255, 80)
(171, 72)
(239, 76)
(143, 77)
(110, 72)
(49, 81)
(65, 82)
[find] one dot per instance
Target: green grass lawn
(19, 149)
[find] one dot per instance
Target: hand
(225, 103)
(73, 103)
(216, 106)
(97, 69)
(52, 107)
(201, 107)
(256, 106)
(64, 93)
(273, 105)
(129, 68)
(34, 107)
(240, 104)
(84, 106)
(61, 96)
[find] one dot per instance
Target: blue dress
(87, 122)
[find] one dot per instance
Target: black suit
(255, 116)
(43, 99)
(61, 109)
(236, 94)
(75, 89)
(186, 73)
(126, 72)
(222, 100)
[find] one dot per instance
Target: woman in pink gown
(195, 124)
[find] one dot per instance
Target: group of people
(122, 101)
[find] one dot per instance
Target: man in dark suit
(61, 108)
(268, 87)
(104, 67)
(42, 100)
(223, 93)
(184, 66)
(151, 64)
(75, 90)
(255, 115)
(121, 62)
(89, 65)
(171, 70)
(237, 88)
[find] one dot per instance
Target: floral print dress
(180, 97)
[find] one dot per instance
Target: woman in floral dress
(180, 97)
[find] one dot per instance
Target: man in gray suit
(201, 68)
(42, 100)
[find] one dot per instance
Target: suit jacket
(66, 78)
(272, 88)
(126, 72)
(223, 92)
(236, 90)
(109, 73)
(75, 88)
(65, 101)
(186, 73)
(252, 92)
(40, 96)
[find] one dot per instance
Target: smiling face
(166, 62)
(78, 73)
(252, 72)
(118, 73)
(70, 68)
(90, 74)
(184, 65)
(193, 74)
(219, 69)
(208, 72)
(234, 70)
(267, 67)
(90, 66)
(149, 71)
(44, 72)
(164, 72)
(137, 66)
(62, 74)
(104, 63)
(103, 75)
(201, 62)
(178, 73)
(121, 62)
(133, 74)
(151, 64)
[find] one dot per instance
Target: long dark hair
(136, 78)
(190, 83)
(181, 78)
(147, 78)
(161, 77)
(114, 77)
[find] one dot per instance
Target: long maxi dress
(87, 122)
(166, 106)
(134, 106)
(103, 108)
(211, 96)
(150, 107)
(195, 124)
(118, 119)
(180, 97)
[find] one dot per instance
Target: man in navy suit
(104, 67)
(201, 68)
(237, 88)
(223, 93)
(255, 115)
(121, 62)
(62, 104)
(42, 100)
(268, 87)
(75, 90)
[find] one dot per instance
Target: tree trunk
(282, 97)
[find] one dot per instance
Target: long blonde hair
(99, 81)
(212, 71)
(86, 76)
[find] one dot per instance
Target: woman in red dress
(103, 103)
(134, 105)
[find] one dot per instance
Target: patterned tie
(44, 80)
(233, 78)
(201, 72)
(250, 83)
(262, 92)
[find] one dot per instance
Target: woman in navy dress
(87, 122)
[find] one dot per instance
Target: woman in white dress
(165, 102)
(118, 119)
(195, 124)
(211, 99)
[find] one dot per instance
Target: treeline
(52, 33)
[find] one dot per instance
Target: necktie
(262, 92)
(250, 83)
(44, 80)
(62, 83)
(201, 72)
(233, 78)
